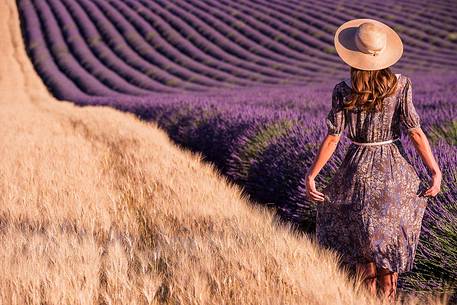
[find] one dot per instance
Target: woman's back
(398, 112)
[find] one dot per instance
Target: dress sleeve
(335, 120)
(409, 117)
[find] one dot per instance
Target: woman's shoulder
(342, 87)
(340, 91)
(403, 79)
(403, 82)
(343, 84)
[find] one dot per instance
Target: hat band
(366, 50)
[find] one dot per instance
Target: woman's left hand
(311, 190)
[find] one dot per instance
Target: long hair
(369, 88)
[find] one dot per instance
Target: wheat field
(98, 207)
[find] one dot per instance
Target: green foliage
(452, 36)
(330, 50)
(446, 131)
(94, 40)
(430, 274)
(150, 72)
(150, 36)
(61, 49)
(171, 82)
(255, 145)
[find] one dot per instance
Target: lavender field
(248, 85)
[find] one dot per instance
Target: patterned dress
(373, 206)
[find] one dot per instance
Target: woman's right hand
(435, 188)
(311, 190)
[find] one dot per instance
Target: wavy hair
(370, 88)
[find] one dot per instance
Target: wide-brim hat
(368, 44)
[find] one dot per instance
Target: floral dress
(373, 205)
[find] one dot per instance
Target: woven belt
(375, 143)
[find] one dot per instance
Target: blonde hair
(369, 88)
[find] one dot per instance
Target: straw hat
(368, 44)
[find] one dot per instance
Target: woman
(372, 209)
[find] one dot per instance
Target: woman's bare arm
(422, 146)
(326, 150)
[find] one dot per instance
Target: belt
(375, 143)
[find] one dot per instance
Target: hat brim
(346, 48)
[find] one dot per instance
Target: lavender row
(252, 10)
(111, 48)
(209, 36)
